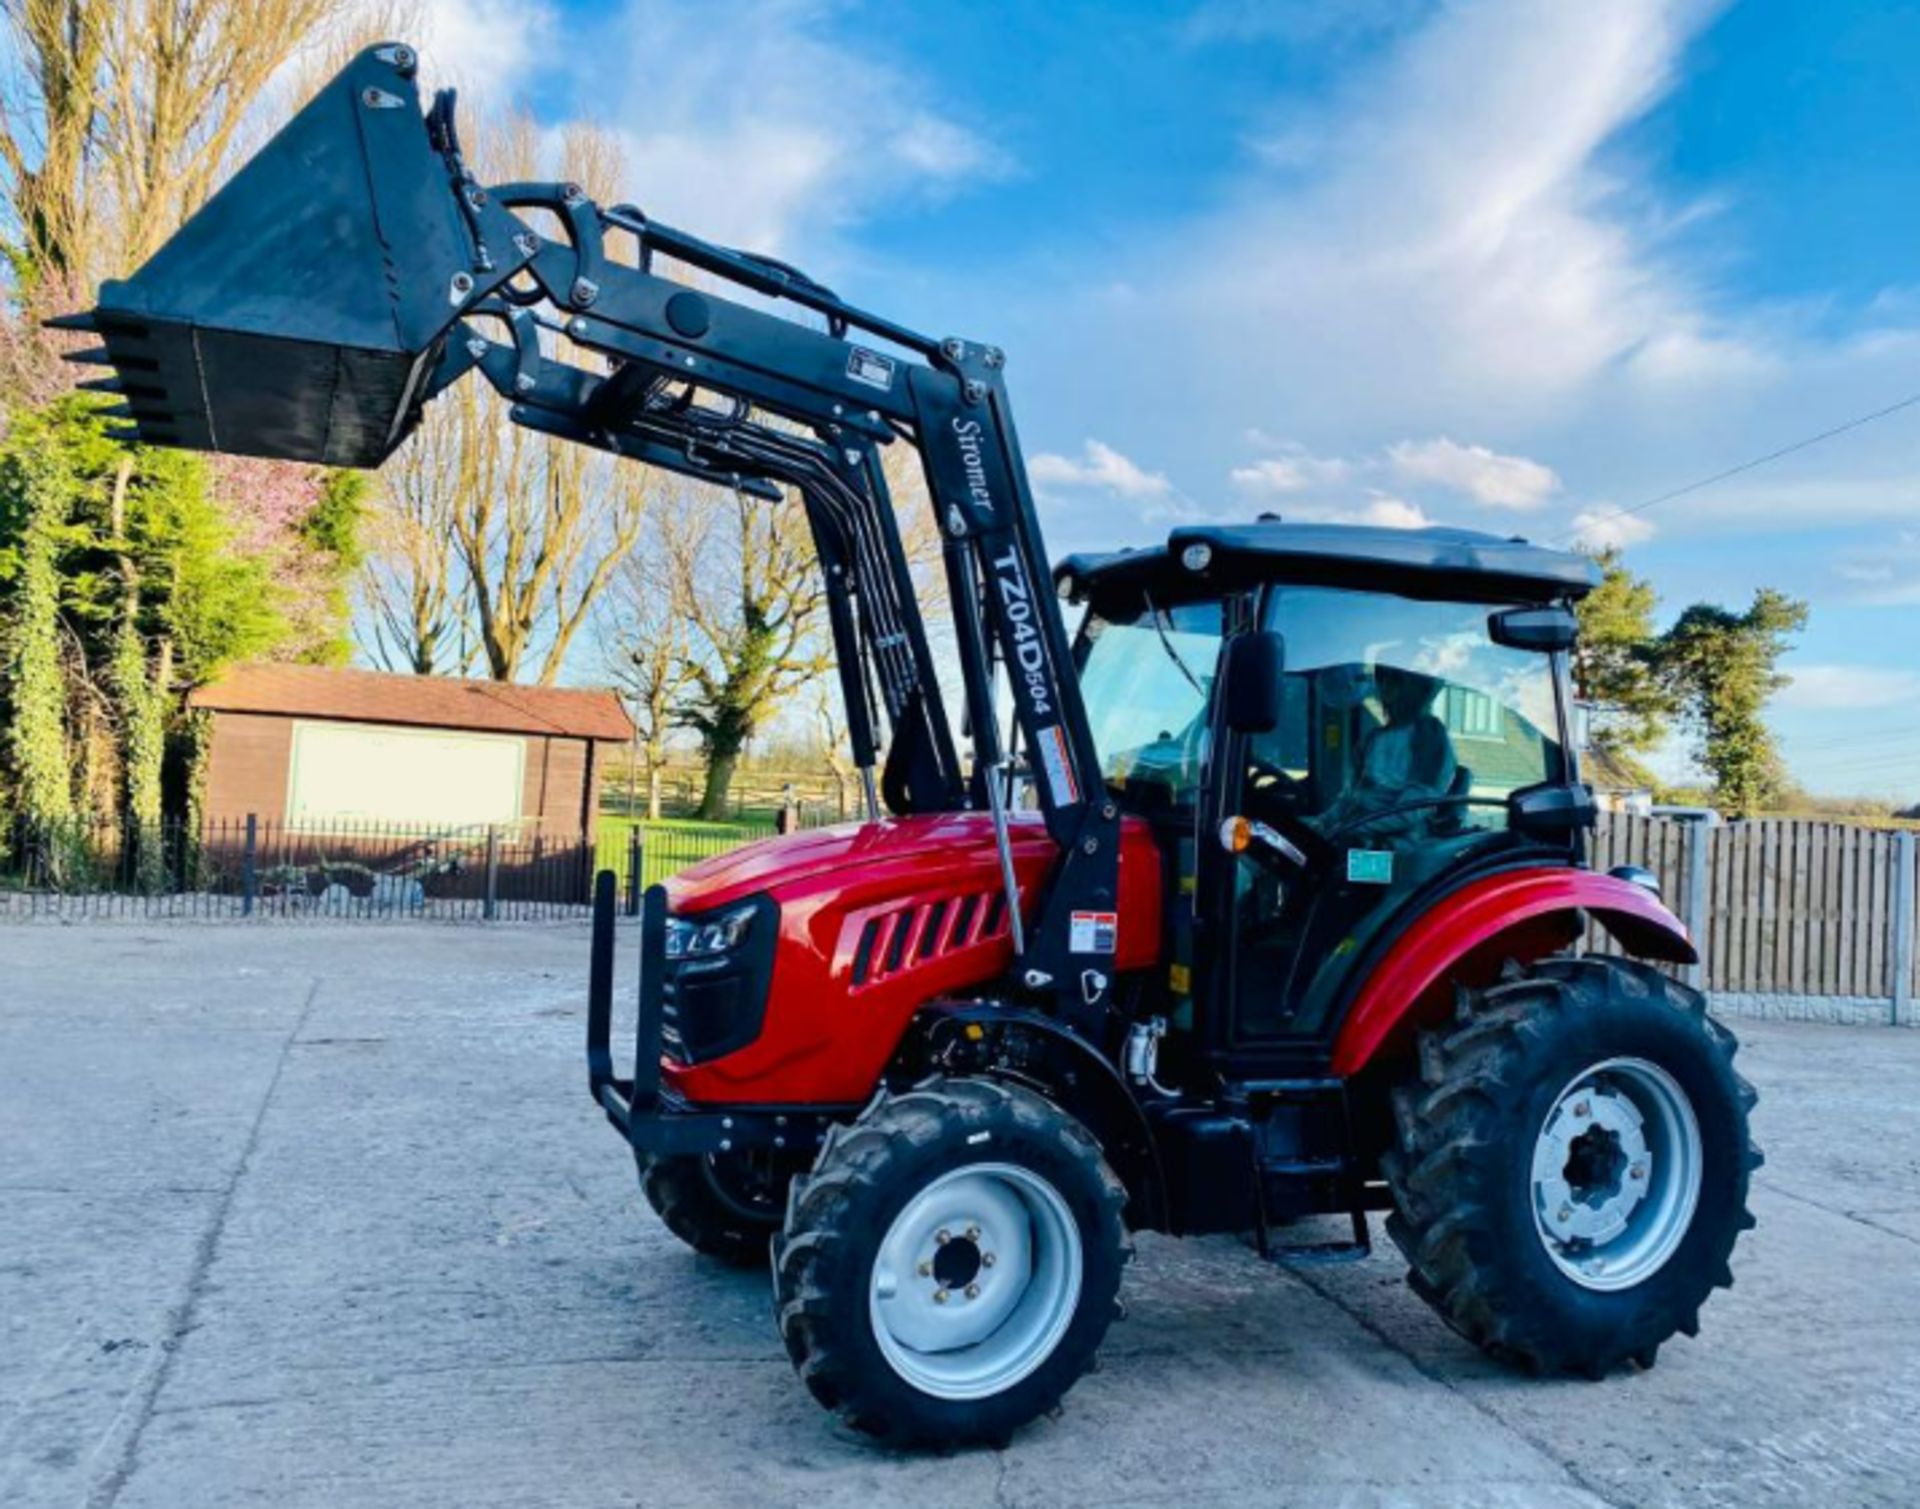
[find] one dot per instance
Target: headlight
(697, 939)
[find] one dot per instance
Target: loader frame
(808, 409)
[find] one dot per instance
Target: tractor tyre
(949, 1268)
(1572, 1165)
(727, 1207)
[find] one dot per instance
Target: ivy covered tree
(1722, 667)
(34, 499)
(1616, 666)
(333, 534)
(122, 584)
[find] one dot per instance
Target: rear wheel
(949, 1268)
(1573, 1164)
(725, 1205)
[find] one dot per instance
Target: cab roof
(1435, 562)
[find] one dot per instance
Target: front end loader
(1268, 904)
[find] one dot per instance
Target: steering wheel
(1271, 786)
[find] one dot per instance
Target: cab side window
(1401, 719)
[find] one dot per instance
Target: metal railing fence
(254, 867)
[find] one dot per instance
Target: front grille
(671, 1042)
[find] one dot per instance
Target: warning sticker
(1370, 866)
(871, 368)
(1092, 932)
(1052, 744)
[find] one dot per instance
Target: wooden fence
(1785, 906)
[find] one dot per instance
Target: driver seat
(1452, 818)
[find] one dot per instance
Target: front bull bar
(648, 1112)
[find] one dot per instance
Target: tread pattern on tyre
(1465, 1103)
(821, 1224)
(678, 1190)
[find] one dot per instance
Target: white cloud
(1858, 486)
(1467, 237)
(1608, 529)
(1463, 230)
(1100, 466)
(1394, 513)
(1381, 511)
(744, 122)
(1889, 578)
(1869, 572)
(1293, 470)
(479, 44)
(1847, 688)
(1484, 475)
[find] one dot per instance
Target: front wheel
(724, 1205)
(1573, 1164)
(949, 1268)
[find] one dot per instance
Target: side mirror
(1551, 810)
(1252, 675)
(1543, 629)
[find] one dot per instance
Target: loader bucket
(301, 312)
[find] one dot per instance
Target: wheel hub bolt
(973, 1291)
(940, 1296)
(987, 1260)
(1583, 1109)
(926, 1270)
(942, 1237)
(1566, 1212)
(973, 1233)
(1638, 1171)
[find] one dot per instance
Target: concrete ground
(319, 1215)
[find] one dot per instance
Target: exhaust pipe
(303, 312)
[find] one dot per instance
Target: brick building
(314, 746)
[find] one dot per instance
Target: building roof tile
(355, 696)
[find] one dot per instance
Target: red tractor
(1266, 905)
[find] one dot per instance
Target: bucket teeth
(102, 385)
(119, 411)
(128, 435)
(97, 357)
(82, 321)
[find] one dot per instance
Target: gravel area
(321, 1216)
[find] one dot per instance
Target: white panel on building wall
(417, 777)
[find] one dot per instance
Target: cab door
(1402, 730)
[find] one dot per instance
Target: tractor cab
(1327, 728)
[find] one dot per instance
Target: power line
(1747, 466)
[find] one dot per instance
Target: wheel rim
(743, 1187)
(1616, 1173)
(976, 1281)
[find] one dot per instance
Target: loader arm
(353, 270)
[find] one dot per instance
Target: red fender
(1469, 934)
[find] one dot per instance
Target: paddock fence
(1785, 907)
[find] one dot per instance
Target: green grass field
(669, 845)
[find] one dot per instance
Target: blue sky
(1503, 264)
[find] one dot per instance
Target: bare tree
(756, 603)
(513, 534)
(757, 607)
(830, 725)
(120, 117)
(540, 527)
(646, 632)
(413, 585)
